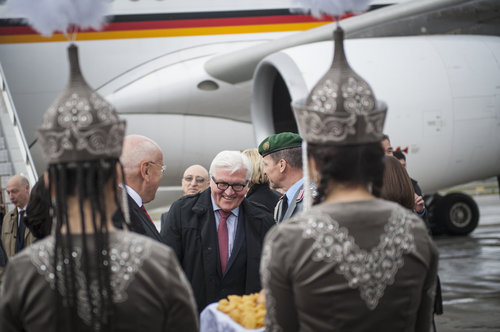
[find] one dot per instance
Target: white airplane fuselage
(442, 94)
(152, 68)
(148, 62)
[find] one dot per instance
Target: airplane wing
(435, 63)
(411, 18)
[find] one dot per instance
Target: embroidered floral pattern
(324, 97)
(83, 124)
(324, 128)
(358, 97)
(372, 271)
(80, 122)
(271, 323)
(125, 258)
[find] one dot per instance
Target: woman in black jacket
(259, 191)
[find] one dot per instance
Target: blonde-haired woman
(259, 191)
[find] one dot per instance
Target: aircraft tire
(458, 214)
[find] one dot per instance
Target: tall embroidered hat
(80, 125)
(341, 109)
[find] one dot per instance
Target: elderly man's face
(18, 194)
(195, 179)
(155, 173)
(228, 199)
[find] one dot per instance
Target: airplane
(198, 80)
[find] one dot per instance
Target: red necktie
(223, 239)
(146, 212)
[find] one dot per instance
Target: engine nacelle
(443, 94)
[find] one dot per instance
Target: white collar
(135, 196)
(24, 208)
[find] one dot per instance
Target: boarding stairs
(15, 156)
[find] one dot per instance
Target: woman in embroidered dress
(88, 276)
(353, 262)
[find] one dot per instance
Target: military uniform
(286, 207)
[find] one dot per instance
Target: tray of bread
(235, 314)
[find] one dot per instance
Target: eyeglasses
(198, 179)
(237, 187)
(163, 167)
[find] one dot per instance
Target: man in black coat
(217, 234)
(143, 165)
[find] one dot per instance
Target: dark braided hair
(350, 165)
(86, 181)
(37, 217)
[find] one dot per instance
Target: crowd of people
(239, 200)
(327, 223)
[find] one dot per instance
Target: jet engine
(443, 94)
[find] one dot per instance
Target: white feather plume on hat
(318, 8)
(49, 16)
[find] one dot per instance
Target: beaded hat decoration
(341, 109)
(80, 125)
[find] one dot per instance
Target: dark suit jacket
(416, 187)
(163, 219)
(262, 194)
(139, 221)
(191, 232)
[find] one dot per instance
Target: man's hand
(419, 204)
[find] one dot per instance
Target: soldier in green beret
(282, 155)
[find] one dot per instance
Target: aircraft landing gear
(455, 213)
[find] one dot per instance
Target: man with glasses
(217, 234)
(194, 180)
(142, 161)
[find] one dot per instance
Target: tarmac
(469, 269)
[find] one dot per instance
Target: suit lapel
(297, 197)
(141, 222)
(209, 243)
(277, 210)
(238, 238)
(150, 227)
(135, 217)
